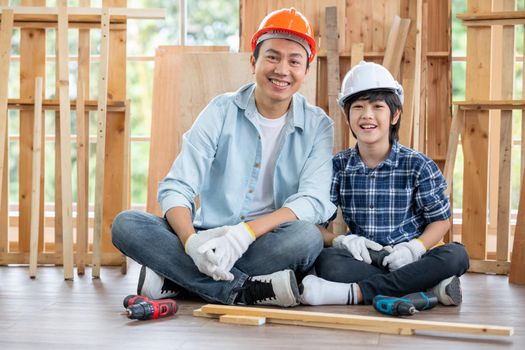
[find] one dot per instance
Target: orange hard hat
(289, 21)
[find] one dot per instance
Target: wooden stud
(101, 142)
(453, 141)
(35, 192)
(395, 45)
(489, 266)
(517, 261)
(243, 320)
(4, 205)
(6, 32)
(126, 174)
(65, 141)
(357, 56)
(82, 146)
(349, 320)
(506, 76)
(32, 65)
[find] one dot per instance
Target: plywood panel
(177, 106)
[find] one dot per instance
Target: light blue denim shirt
(220, 157)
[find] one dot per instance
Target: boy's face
(370, 121)
(279, 70)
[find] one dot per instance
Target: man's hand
(228, 248)
(404, 253)
(357, 245)
(207, 267)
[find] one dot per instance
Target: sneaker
(448, 291)
(279, 288)
(153, 286)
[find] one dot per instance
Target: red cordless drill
(141, 308)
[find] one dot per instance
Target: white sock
(318, 291)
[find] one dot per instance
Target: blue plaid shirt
(392, 202)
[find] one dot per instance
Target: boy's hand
(404, 253)
(357, 245)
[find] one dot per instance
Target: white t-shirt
(270, 132)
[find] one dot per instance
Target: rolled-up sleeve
(312, 201)
(184, 180)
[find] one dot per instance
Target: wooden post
(82, 146)
(101, 142)
(475, 141)
(357, 55)
(6, 32)
(126, 194)
(35, 181)
(395, 45)
(65, 140)
(458, 120)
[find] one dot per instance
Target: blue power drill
(406, 305)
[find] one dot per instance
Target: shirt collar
(355, 163)
(245, 99)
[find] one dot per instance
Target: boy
(390, 195)
(260, 160)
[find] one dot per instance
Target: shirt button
(371, 206)
(243, 217)
(250, 190)
(257, 165)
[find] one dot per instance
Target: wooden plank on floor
(332, 318)
(101, 143)
(243, 320)
(65, 141)
(35, 181)
(6, 33)
(82, 146)
(475, 142)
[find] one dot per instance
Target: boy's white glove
(404, 253)
(357, 245)
(225, 250)
(204, 265)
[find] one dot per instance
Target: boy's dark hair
(258, 48)
(389, 97)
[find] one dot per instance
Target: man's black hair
(389, 97)
(258, 48)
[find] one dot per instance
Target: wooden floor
(50, 313)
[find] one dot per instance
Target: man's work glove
(225, 250)
(357, 245)
(404, 253)
(204, 265)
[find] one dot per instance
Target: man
(260, 160)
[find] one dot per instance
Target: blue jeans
(150, 241)
(437, 264)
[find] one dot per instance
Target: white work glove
(404, 253)
(357, 245)
(195, 241)
(225, 250)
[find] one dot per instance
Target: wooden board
(35, 181)
(163, 119)
(6, 31)
(65, 142)
(395, 45)
(32, 65)
(175, 105)
(82, 146)
(475, 141)
(101, 143)
(408, 326)
(243, 320)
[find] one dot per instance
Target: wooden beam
(55, 258)
(489, 266)
(101, 142)
(243, 320)
(409, 326)
(357, 56)
(482, 105)
(84, 14)
(395, 45)
(6, 32)
(54, 105)
(65, 141)
(453, 141)
(126, 173)
(82, 146)
(492, 18)
(35, 181)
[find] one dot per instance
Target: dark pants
(437, 264)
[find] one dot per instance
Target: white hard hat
(368, 76)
